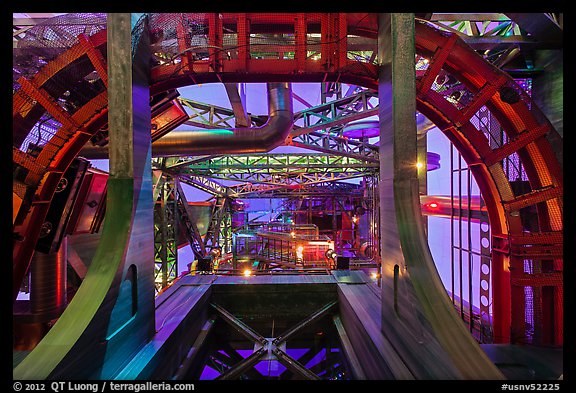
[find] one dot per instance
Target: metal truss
(327, 143)
(334, 115)
(502, 37)
(477, 25)
(219, 232)
(212, 116)
(271, 175)
(165, 234)
(191, 229)
(274, 347)
(331, 117)
(293, 179)
(279, 168)
(204, 184)
(253, 191)
(483, 30)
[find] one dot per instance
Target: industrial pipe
(226, 141)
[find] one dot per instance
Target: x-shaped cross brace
(270, 346)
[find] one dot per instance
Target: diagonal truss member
(269, 345)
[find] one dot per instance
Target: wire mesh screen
(53, 80)
(68, 78)
(225, 42)
(45, 41)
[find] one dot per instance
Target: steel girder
(332, 116)
(521, 121)
(327, 189)
(205, 184)
(165, 234)
(191, 229)
(316, 128)
(269, 346)
(270, 163)
(292, 179)
(212, 116)
(280, 169)
(331, 144)
(270, 174)
(493, 34)
(219, 232)
(264, 190)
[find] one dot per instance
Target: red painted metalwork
(440, 56)
(96, 57)
(524, 128)
(169, 117)
(524, 125)
(58, 153)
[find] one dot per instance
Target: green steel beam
(268, 163)
(204, 184)
(334, 115)
(279, 179)
(331, 116)
(212, 116)
(165, 235)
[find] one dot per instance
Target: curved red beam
(527, 129)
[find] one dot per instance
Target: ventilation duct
(226, 141)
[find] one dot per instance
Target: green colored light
(221, 132)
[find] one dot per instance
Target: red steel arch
(525, 126)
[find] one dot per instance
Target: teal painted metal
(279, 169)
(268, 162)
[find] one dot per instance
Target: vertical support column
(390, 242)
(486, 334)
(342, 45)
(215, 41)
(300, 34)
(129, 118)
(334, 220)
(325, 43)
(226, 227)
(243, 41)
(112, 314)
(495, 267)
